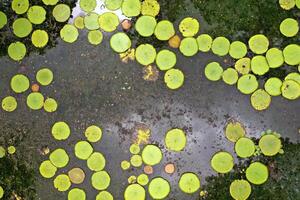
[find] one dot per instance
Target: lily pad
(16, 51)
(11, 150)
(9, 104)
(143, 179)
(164, 30)
(240, 189)
(151, 155)
(83, 150)
(220, 46)
(289, 27)
(39, 38)
(35, 101)
(120, 42)
(96, 162)
(93, 133)
(22, 27)
(243, 65)
(150, 8)
(159, 188)
(247, 84)
(131, 8)
(237, 50)
(166, 59)
(19, 83)
(60, 130)
(44, 76)
(69, 33)
(269, 145)
(95, 37)
(189, 27)
(290, 89)
(189, 46)
(259, 65)
(76, 194)
(104, 195)
(88, 5)
(79, 22)
(244, 147)
(61, 12)
(113, 4)
(108, 21)
(134, 191)
(76, 175)
(204, 42)
(136, 161)
(59, 158)
(291, 54)
(145, 25)
(287, 4)
(295, 76)
(134, 149)
(2, 152)
(175, 139)
(36, 14)
(213, 71)
(50, 2)
(125, 165)
(222, 162)
(91, 21)
(100, 180)
(47, 169)
(274, 57)
(189, 183)
(20, 6)
(273, 86)
(50, 105)
(174, 78)
(3, 19)
(230, 76)
(258, 44)
(257, 173)
(62, 182)
(260, 100)
(145, 54)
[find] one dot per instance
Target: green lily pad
(151, 155)
(145, 25)
(79, 22)
(50, 105)
(120, 42)
(220, 46)
(96, 162)
(240, 189)
(134, 149)
(175, 139)
(259, 65)
(100, 180)
(93, 133)
(134, 191)
(189, 183)
(274, 57)
(104, 195)
(22, 27)
(9, 104)
(3, 19)
(131, 8)
(61, 12)
(76, 194)
(257, 173)
(36, 14)
(258, 44)
(16, 51)
(35, 101)
(243, 65)
(269, 145)
(273, 86)
(164, 30)
(2, 152)
(287, 4)
(244, 147)
(60, 130)
(222, 162)
(230, 76)
(291, 54)
(290, 89)
(145, 54)
(166, 59)
(19, 83)
(213, 71)
(95, 37)
(136, 161)
(69, 33)
(47, 169)
(39, 38)
(189, 27)
(44, 76)
(59, 158)
(113, 4)
(143, 179)
(125, 165)
(150, 8)
(247, 84)
(204, 42)
(83, 150)
(260, 100)
(1, 192)
(289, 27)
(237, 50)
(159, 188)
(62, 182)
(189, 46)
(20, 6)
(88, 5)
(298, 4)
(108, 21)
(11, 150)
(91, 21)
(295, 76)
(174, 78)
(50, 2)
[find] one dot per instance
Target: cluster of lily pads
(29, 20)
(83, 150)
(256, 173)
(35, 100)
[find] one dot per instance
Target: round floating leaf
(164, 30)
(293, 76)
(69, 33)
(237, 50)
(174, 78)
(290, 89)
(95, 37)
(61, 12)
(189, 183)
(9, 104)
(76, 175)
(230, 76)
(131, 8)
(273, 86)
(145, 54)
(120, 42)
(22, 27)
(175, 139)
(150, 8)
(96, 162)
(259, 65)
(189, 27)
(36, 14)
(274, 57)
(260, 100)
(257, 173)
(113, 4)
(91, 21)
(79, 22)
(289, 27)
(88, 5)
(100, 180)
(258, 44)
(159, 188)
(143, 179)
(243, 65)
(136, 160)
(174, 41)
(3, 19)
(39, 38)
(213, 71)
(2, 152)
(59, 158)
(134, 149)
(222, 162)
(50, 105)
(19, 83)
(44, 76)
(244, 147)
(247, 84)
(269, 145)
(60, 131)
(35, 100)
(220, 46)
(1, 192)
(108, 21)
(145, 25)
(62, 182)
(20, 6)
(83, 150)
(134, 191)
(151, 155)
(298, 4)
(287, 4)
(104, 195)
(76, 194)
(291, 54)
(204, 42)
(16, 51)
(93, 133)
(125, 165)
(166, 59)
(189, 46)
(47, 169)
(50, 2)
(240, 189)
(11, 150)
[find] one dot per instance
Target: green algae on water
(222, 162)
(240, 189)
(159, 188)
(189, 183)
(151, 155)
(257, 173)
(213, 71)
(175, 140)
(174, 79)
(60, 130)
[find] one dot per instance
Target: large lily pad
(189, 27)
